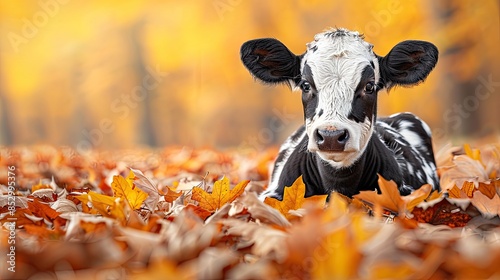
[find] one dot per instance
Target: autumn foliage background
(66, 71)
(138, 143)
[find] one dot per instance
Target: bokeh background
(127, 74)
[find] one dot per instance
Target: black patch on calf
(270, 61)
(364, 104)
(309, 99)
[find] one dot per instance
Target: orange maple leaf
(293, 199)
(389, 198)
(221, 194)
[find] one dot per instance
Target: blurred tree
(72, 79)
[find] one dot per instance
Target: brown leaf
(198, 211)
(171, 196)
(488, 190)
(468, 188)
(456, 192)
(442, 211)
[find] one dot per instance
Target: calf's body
(409, 161)
(343, 146)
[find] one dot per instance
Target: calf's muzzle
(331, 140)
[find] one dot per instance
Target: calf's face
(339, 76)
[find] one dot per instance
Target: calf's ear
(408, 63)
(271, 61)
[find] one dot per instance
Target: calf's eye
(305, 86)
(370, 87)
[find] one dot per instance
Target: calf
(343, 146)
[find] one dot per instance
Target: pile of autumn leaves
(117, 221)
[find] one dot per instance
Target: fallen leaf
(465, 169)
(456, 192)
(126, 190)
(145, 184)
(199, 211)
(171, 196)
(468, 188)
(488, 190)
(444, 211)
(221, 194)
(264, 240)
(475, 154)
(339, 256)
(489, 207)
(389, 198)
(417, 197)
(293, 199)
(107, 206)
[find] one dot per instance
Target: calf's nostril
(344, 136)
(319, 137)
(331, 140)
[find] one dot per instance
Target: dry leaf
(389, 198)
(107, 206)
(489, 207)
(171, 196)
(488, 190)
(126, 190)
(265, 240)
(293, 199)
(221, 194)
(417, 197)
(145, 184)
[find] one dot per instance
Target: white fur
(287, 148)
(336, 66)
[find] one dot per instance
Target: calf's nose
(331, 140)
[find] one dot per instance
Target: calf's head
(339, 76)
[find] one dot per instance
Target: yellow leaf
(339, 257)
(221, 194)
(388, 270)
(417, 196)
(293, 199)
(337, 207)
(107, 206)
(434, 195)
(125, 189)
(472, 153)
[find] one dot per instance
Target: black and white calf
(343, 146)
